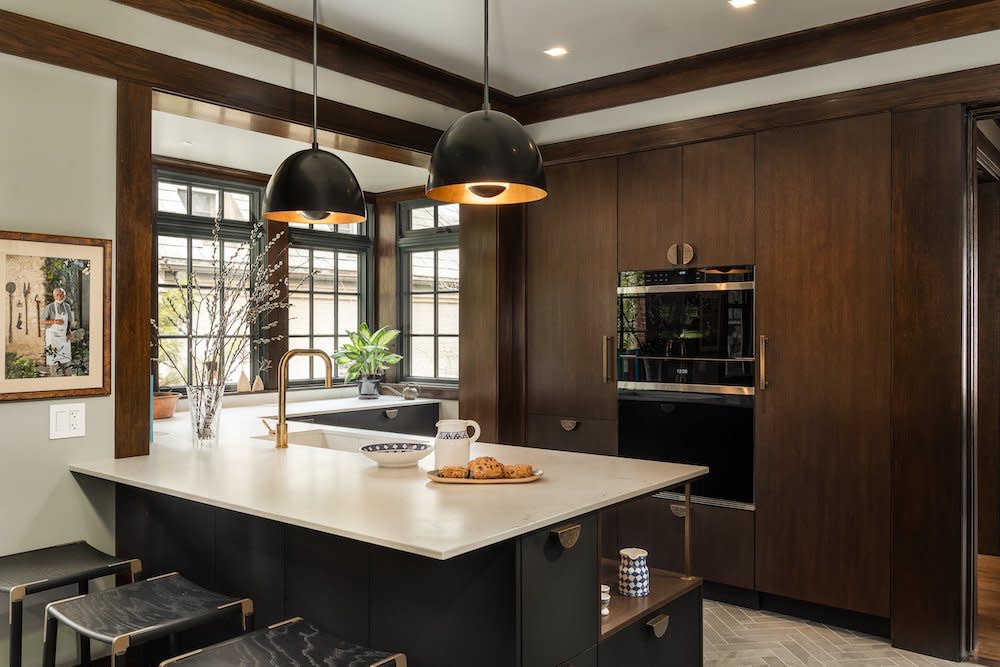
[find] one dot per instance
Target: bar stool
(139, 613)
(44, 569)
(294, 643)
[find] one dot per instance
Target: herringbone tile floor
(736, 637)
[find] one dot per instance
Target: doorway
(986, 381)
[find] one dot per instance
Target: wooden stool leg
(16, 628)
(83, 588)
(49, 647)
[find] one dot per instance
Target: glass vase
(205, 407)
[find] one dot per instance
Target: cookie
(455, 472)
(517, 470)
(485, 467)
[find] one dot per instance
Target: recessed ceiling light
(188, 142)
(740, 4)
(556, 51)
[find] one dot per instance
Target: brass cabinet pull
(678, 510)
(688, 253)
(568, 424)
(605, 343)
(392, 413)
(763, 362)
(567, 535)
(658, 624)
(672, 254)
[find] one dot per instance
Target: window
(185, 255)
(328, 272)
(428, 290)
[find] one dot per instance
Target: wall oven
(685, 372)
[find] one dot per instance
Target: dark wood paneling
(929, 478)
(972, 86)
(511, 241)
(249, 558)
(822, 425)
(46, 42)
(719, 201)
(134, 267)
(559, 593)
(650, 217)
(589, 436)
(280, 32)
(722, 539)
(988, 369)
(471, 595)
(570, 292)
(894, 29)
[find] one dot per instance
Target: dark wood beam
(975, 87)
(274, 30)
(31, 38)
(134, 266)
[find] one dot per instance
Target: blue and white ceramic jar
(633, 573)
(452, 444)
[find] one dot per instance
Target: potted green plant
(365, 356)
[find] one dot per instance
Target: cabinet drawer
(588, 436)
(412, 419)
(722, 538)
(560, 594)
(638, 646)
(586, 659)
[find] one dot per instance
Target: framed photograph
(55, 320)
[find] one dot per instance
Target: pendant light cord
(486, 56)
(315, 21)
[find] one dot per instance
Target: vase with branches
(225, 315)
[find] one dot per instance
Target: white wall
(57, 175)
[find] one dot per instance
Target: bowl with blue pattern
(397, 454)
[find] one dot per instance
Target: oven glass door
(700, 429)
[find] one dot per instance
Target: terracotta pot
(164, 404)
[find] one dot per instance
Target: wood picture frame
(55, 327)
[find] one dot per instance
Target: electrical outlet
(67, 420)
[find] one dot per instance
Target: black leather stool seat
(141, 612)
(293, 643)
(44, 569)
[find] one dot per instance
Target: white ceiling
(603, 36)
(203, 141)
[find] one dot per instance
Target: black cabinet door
(638, 646)
(560, 594)
(586, 659)
(412, 419)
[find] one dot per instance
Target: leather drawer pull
(567, 535)
(392, 413)
(568, 424)
(658, 624)
(678, 510)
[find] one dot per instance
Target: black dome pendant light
(486, 157)
(314, 186)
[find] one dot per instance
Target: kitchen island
(448, 574)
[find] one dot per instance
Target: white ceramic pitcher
(451, 446)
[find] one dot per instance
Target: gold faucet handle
(270, 429)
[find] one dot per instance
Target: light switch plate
(67, 420)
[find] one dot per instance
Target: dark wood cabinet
(719, 201)
(824, 303)
(649, 208)
(588, 436)
(417, 419)
(722, 538)
(570, 293)
(690, 206)
(679, 644)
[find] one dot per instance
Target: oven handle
(763, 362)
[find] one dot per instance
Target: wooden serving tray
(467, 480)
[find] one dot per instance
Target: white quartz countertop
(346, 494)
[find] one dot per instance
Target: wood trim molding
(31, 38)
(895, 29)
(974, 87)
(134, 263)
(280, 32)
(268, 28)
(210, 170)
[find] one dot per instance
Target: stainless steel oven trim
(687, 388)
(687, 287)
(702, 500)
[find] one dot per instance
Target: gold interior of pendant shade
(332, 218)
(459, 193)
